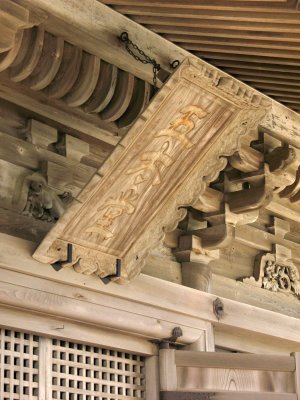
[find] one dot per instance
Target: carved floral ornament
(275, 276)
(167, 158)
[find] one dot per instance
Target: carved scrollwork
(275, 276)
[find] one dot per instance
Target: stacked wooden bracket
(62, 71)
(262, 174)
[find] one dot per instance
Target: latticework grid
(18, 365)
(83, 372)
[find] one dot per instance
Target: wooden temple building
(150, 200)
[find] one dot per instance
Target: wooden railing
(188, 375)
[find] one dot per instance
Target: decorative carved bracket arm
(165, 161)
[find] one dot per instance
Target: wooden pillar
(297, 374)
(197, 275)
(167, 370)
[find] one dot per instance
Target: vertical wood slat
(1, 363)
(167, 370)
(152, 378)
(297, 374)
(45, 369)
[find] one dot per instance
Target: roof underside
(257, 41)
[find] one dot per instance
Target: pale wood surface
(152, 378)
(272, 328)
(167, 370)
(226, 395)
(39, 103)
(297, 374)
(235, 361)
(145, 193)
(52, 326)
(234, 380)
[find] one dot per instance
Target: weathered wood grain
(139, 179)
(235, 361)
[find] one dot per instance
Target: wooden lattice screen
(38, 368)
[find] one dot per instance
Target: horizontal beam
(256, 362)
(95, 28)
(193, 22)
(275, 328)
(186, 13)
(56, 111)
(27, 155)
(229, 395)
(53, 326)
(218, 5)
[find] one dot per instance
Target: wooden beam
(256, 362)
(283, 123)
(185, 12)
(218, 24)
(56, 111)
(273, 328)
(207, 32)
(228, 395)
(31, 156)
(217, 5)
(97, 30)
(23, 226)
(52, 326)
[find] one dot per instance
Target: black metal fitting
(107, 279)
(175, 64)
(218, 308)
(124, 37)
(165, 343)
(58, 265)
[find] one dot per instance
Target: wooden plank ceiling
(257, 41)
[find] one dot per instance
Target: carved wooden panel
(165, 161)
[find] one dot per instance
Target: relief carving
(34, 198)
(149, 168)
(181, 127)
(163, 164)
(276, 276)
(284, 278)
(124, 204)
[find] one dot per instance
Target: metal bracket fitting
(58, 265)
(108, 278)
(218, 308)
(175, 64)
(165, 343)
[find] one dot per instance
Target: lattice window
(82, 372)
(77, 371)
(19, 366)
